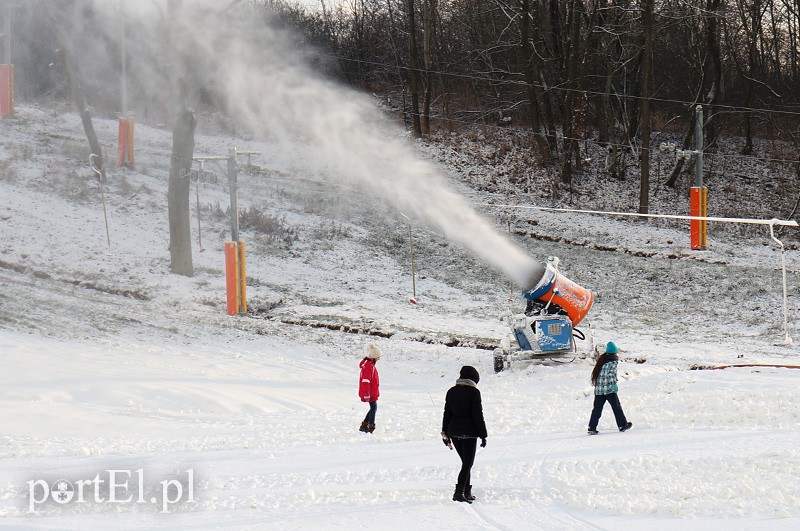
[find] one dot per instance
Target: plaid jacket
(607, 379)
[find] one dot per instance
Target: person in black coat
(463, 425)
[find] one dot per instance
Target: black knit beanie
(468, 372)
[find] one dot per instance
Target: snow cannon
(547, 328)
(557, 291)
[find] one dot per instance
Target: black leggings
(466, 449)
(597, 410)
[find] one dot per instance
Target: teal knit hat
(611, 348)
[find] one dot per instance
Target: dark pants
(599, 402)
(373, 408)
(466, 449)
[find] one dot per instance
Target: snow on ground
(112, 363)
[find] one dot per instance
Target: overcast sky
(315, 4)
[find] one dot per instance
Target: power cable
(558, 88)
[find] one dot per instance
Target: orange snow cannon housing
(557, 289)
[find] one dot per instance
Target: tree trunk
(78, 100)
(530, 81)
(180, 237)
(715, 56)
(576, 53)
(572, 55)
(605, 129)
(752, 74)
(646, 66)
(427, 29)
(414, 71)
(183, 125)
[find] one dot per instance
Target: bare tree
(715, 86)
(531, 68)
(576, 46)
(751, 13)
(59, 21)
(707, 78)
(428, 25)
(414, 70)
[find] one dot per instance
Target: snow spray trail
(263, 78)
(269, 87)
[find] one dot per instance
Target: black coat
(463, 412)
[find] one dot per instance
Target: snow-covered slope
(113, 363)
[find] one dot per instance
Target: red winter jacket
(369, 383)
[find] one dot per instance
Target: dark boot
(370, 428)
(363, 427)
(458, 495)
(468, 493)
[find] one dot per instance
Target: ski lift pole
(411, 253)
(92, 158)
(786, 340)
(233, 186)
(199, 232)
(510, 282)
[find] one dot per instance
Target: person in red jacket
(369, 386)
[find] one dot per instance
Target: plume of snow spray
(281, 96)
(266, 83)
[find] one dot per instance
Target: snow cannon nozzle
(532, 277)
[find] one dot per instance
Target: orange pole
(698, 200)
(703, 213)
(231, 274)
(125, 149)
(123, 141)
(130, 142)
(242, 280)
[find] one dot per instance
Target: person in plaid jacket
(604, 379)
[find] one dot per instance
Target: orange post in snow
(125, 151)
(231, 277)
(6, 90)
(242, 280)
(123, 141)
(235, 279)
(698, 206)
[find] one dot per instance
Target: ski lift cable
(787, 341)
(563, 88)
(770, 222)
(749, 365)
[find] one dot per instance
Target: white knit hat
(373, 351)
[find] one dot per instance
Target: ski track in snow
(266, 413)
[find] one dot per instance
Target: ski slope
(113, 364)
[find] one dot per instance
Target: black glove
(446, 440)
(483, 442)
